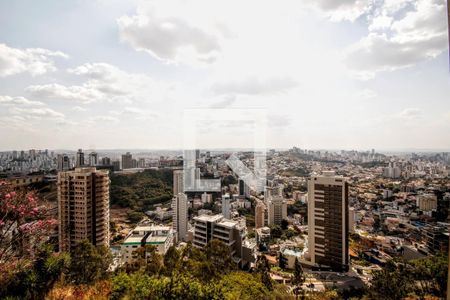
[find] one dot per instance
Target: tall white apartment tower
(180, 216)
(178, 182)
(328, 221)
(351, 219)
(226, 206)
(276, 210)
(93, 159)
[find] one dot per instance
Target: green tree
(263, 268)
(146, 259)
(430, 274)
(140, 191)
(281, 261)
(153, 259)
(171, 259)
(89, 263)
(218, 253)
(391, 283)
(139, 285)
(121, 283)
(135, 216)
(37, 280)
(298, 277)
(284, 224)
(275, 231)
(241, 285)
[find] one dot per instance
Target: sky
(328, 74)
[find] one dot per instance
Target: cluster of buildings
(25, 162)
(397, 206)
(21, 163)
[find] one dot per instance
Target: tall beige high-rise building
(178, 182)
(276, 210)
(259, 214)
(328, 221)
(180, 216)
(83, 207)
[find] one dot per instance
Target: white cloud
(105, 83)
(35, 61)
(96, 70)
(79, 109)
(254, 86)
(338, 10)
(135, 113)
(366, 94)
(8, 100)
(410, 113)
(167, 38)
(103, 119)
(85, 93)
(26, 115)
(281, 121)
(227, 101)
(37, 113)
(392, 44)
(381, 22)
(260, 51)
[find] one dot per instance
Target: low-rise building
(262, 235)
(232, 233)
(436, 239)
(161, 237)
(290, 256)
(426, 202)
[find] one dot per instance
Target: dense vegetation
(186, 273)
(297, 172)
(419, 278)
(34, 278)
(140, 191)
(190, 273)
(35, 271)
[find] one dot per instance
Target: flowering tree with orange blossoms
(24, 225)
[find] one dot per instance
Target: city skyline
(332, 75)
(188, 149)
(120, 151)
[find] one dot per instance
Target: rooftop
(151, 228)
(156, 239)
(291, 252)
(227, 223)
(133, 240)
(209, 218)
